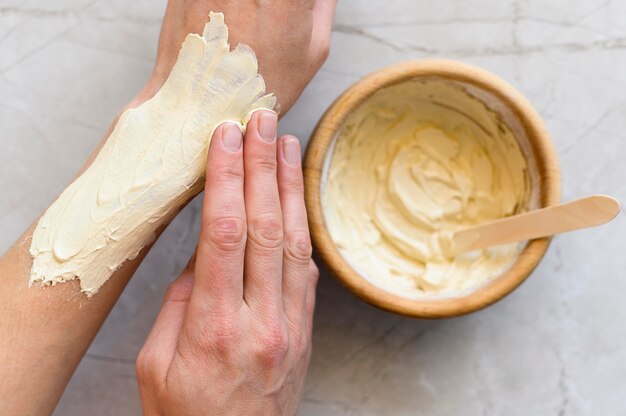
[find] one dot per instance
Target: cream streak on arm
(152, 163)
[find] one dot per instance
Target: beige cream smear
(152, 163)
(414, 161)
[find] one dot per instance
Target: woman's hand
(233, 335)
(290, 39)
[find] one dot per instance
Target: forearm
(45, 330)
(150, 165)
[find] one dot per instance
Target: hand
(233, 334)
(290, 38)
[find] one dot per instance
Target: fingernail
(232, 137)
(291, 151)
(267, 126)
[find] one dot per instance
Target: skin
(47, 330)
(234, 331)
(290, 38)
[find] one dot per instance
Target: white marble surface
(556, 346)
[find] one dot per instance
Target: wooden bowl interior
(498, 97)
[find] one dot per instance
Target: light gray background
(557, 346)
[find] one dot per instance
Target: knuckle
(294, 184)
(141, 367)
(298, 247)
(226, 233)
(314, 273)
(300, 346)
(224, 338)
(266, 232)
(310, 305)
(229, 172)
(219, 338)
(265, 165)
(273, 347)
(146, 364)
(178, 291)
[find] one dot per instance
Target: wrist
(147, 92)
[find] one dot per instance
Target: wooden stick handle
(581, 213)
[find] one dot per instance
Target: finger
(218, 286)
(160, 346)
(311, 294)
(264, 249)
(296, 242)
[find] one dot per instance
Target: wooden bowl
(501, 98)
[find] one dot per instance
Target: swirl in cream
(416, 161)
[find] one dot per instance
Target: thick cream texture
(152, 163)
(413, 163)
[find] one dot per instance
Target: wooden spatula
(581, 213)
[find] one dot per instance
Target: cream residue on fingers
(412, 164)
(152, 163)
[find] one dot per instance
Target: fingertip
(230, 136)
(290, 150)
(217, 133)
(257, 114)
(289, 137)
(255, 121)
(225, 158)
(267, 125)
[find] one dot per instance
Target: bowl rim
(322, 138)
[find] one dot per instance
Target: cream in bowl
(411, 154)
(416, 160)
